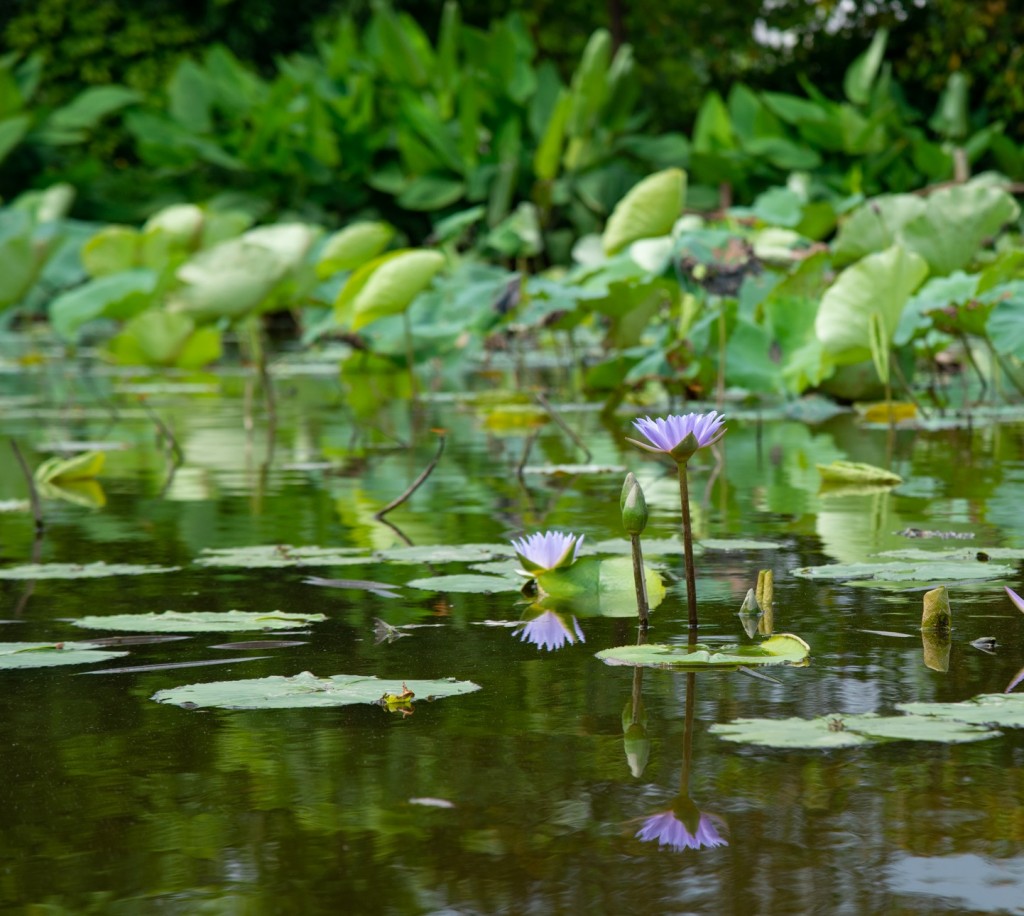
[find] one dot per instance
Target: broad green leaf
(649, 209)
(70, 123)
(97, 570)
(846, 731)
(431, 192)
(860, 75)
(353, 246)
(84, 466)
(879, 284)
(154, 338)
(874, 226)
(468, 582)
(386, 286)
(590, 83)
(1004, 710)
(1005, 326)
(605, 587)
(18, 263)
(954, 224)
(856, 472)
(885, 574)
(111, 250)
(782, 649)
(548, 157)
(307, 690)
(198, 621)
(12, 132)
(276, 556)
(46, 655)
(120, 296)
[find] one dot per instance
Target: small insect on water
(835, 724)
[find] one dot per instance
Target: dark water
(527, 795)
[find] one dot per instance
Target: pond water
(533, 793)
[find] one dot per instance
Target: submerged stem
(691, 579)
(639, 581)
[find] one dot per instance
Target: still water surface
(526, 796)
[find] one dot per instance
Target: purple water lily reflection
(547, 550)
(667, 434)
(670, 830)
(550, 631)
(1015, 598)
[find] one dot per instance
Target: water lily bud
(634, 507)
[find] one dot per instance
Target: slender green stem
(639, 580)
(691, 579)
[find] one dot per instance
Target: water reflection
(548, 629)
(684, 826)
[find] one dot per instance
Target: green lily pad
(964, 554)
(1005, 710)
(572, 470)
(78, 571)
(847, 731)
(273, 556)
(444, 553)
(480, 584)
(48, 654)
(652, 547)
(737, 544)
(856, 472)
(887, 574)
(199, 621)
(307, 690)
(608, 582)
(782, 649)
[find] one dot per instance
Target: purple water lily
(1015, 598)
(545, 551)
(550, 631)
(670, 830)
(672, 435)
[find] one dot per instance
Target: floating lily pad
(272, 556)
(474, 583)
(855, 472)
(48, 654)
(783, 649)
(199, 621)
(444, 553)
(604, 587)
(574, 469)
(886, 574)
(78, 571)
(963, 554)
(737, 544)
(1000, 709)
(306, 690)
(847, 731)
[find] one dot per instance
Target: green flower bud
(633, 506)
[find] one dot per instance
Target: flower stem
(639, 581)
(691, 579)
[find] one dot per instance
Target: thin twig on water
(417, 483)
(562, 425)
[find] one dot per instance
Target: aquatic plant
(544, 551)
(550, 630)
(634, 519)
(679, 437)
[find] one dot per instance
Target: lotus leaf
(477, 584)
(650, 208)
(353, 246)
(880, 574)
(45, 655)
(307, 690)
(79, 571)
(199, 621)
(846, 731)
(999, 709)
(855, 472)
(387, 285)
(782, 649)
(272, 556)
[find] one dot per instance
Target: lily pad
(273, 556)
(473, 583)
(444, 553)
(999, 709)
(736, 544)
(847, 731)
(48, 654)
(199, 621)
(887, 574)
(964, 554)
(856, 472)
(782, 649)
(307, 690)
(78, 571)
